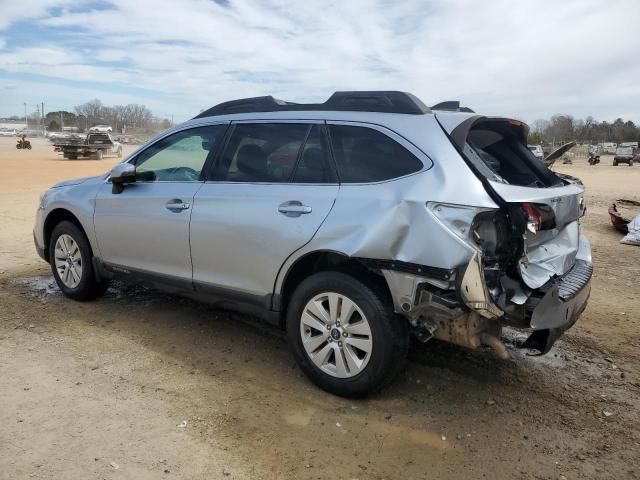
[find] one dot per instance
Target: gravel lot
(142, 385)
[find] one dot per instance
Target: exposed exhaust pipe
(495, 343)
(471, 330)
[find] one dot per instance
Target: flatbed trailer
(94, 145)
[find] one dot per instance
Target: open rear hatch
(540, 208)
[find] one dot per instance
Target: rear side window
(261, 152)
(366, 155)
(314, 165)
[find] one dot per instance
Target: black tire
(615, 163)
(88, 288)
(389, 332)
(631, 163)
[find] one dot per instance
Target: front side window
(365, 155)
(179, 157)
(261, 152)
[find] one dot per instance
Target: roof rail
(451, 106)
(358, 101)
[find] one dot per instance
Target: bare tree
(119, 116)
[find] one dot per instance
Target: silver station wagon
(353, 224)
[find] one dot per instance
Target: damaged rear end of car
(529, 267)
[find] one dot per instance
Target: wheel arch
(321, 261)
(54, 217)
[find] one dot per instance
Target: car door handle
(293, 208)
(177, 205)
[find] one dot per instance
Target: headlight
(43, 198)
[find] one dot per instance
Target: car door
(269, 192)
(145, 228)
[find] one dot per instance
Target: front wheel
(345, 335)
(71, 263)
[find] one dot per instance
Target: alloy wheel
(336, 335)
(68, 260)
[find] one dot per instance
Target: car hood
(78, 181)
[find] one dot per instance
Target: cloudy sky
(527, 59)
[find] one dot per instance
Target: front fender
(79, 201)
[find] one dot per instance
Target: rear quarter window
(365, 155)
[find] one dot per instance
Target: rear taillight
(539, 217)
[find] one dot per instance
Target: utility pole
(25, 114)
(61, 121)
(43, 127)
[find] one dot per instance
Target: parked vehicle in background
(96, 145)
(351, 224)
(609, 147)
(536, 150)
(101, 129)
(128, 139)
(8, 133)
(626, 155)
(629, 144)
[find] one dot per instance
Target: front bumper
(39, 249)
(38, 234)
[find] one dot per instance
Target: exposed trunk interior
(498, 150)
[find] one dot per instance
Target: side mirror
(122, 174)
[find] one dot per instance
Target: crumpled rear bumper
(563, 302)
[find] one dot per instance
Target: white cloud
(501, 57)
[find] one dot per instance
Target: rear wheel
(615, 163)
(345, 335)
(71, 263)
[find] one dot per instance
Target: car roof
(353, 102)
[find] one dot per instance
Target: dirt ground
(142, 385)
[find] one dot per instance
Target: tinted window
(179, 157)
(261, 152)
(367, 155)
(314, 165)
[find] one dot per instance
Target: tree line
(122, 118)
(565, 128)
